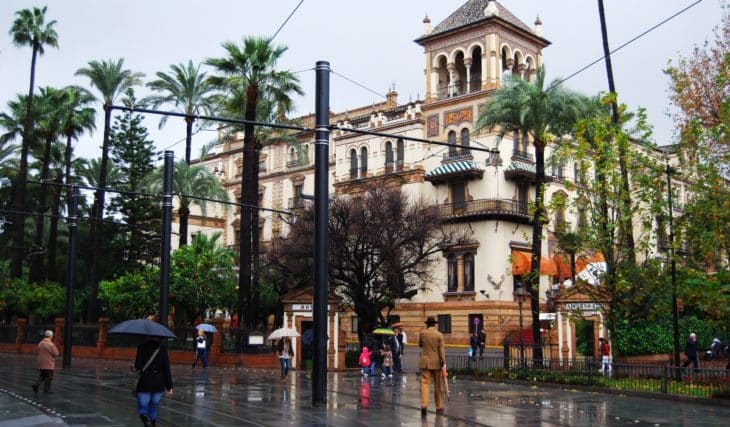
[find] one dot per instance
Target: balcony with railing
(455, 156)
(505, 209)
(298, 163)
(298, 202)
(522, 155)
(391, 167)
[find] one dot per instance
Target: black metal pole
(673, 267)
(70, 275)
(166, 235)
(321, 232)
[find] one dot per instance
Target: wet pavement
(96, 393)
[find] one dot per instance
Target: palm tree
(78, 117)
(545, 114)
(188, 183)
(29, 29)
(110, 79)
(186, 88)
(252, 69)
(49, 128)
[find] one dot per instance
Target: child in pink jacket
(365, 361)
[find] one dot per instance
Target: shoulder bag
(135, 383)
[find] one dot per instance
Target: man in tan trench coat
(431, 362)
(47, 353)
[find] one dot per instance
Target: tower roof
(473, 12)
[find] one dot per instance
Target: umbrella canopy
(283, 333)
(141, 327)
(383, 331)
(206, 327)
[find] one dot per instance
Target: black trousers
(45, 377)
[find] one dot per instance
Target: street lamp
(673, 265)
(521, 294)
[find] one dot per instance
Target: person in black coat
(153, 380)
(690, 350)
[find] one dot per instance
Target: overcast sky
(369, 42)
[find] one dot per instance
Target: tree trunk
(97, 224)
(537, 220)
(184, 215)
(18, 250)
(188, 138)
(51, 269)
(37, 256)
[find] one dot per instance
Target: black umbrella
(142, 327)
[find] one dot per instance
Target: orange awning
(521, 264)
(563, 264)
(583, 260)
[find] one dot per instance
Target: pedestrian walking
(153, 366)
(387, 355)
(482, 341)
(47, 353)
(285, 351)
(690, 350)
(474, 344)
(604, 349)
(431, 362)
(201, 349)
(364, 361)
(398, 350)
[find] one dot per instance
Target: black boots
(146, 421)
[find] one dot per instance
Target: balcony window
(400, 154)
(451, 279)
(389, 163)
(363, 162)
(353, 164)
(452, 143)
(465, 141)
(469, 272)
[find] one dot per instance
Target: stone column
(58, 332)
(467, 65)
(434, 93)
(103, 326)
(521, 70)
(451, 68)
(20, 333)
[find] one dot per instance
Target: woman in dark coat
(153, 380)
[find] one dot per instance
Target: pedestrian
(604, 349)
(201, 349)
(47, 353)
(365, 361)
(153, 366)
(690, 350)
(398, 351)
(375, 359)
(395, 351)
(431, 362)
(474, 344)
(482, 341)
(286, 353)
(387, 355)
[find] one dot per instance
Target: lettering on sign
(433, 125)
(548, 316)
(458, 116)
(304, 307)
(583, 306)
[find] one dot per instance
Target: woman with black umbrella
(153, 366)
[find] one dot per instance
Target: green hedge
(657, 337)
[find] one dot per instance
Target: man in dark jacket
(690, 350)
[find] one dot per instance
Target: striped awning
(453, 169)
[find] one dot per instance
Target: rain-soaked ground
(96, 393)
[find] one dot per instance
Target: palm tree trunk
(248, 196)
(36, 272)
(51, 271)
(184, 214)
(537, 220)
(188, 138)
(16, 266)
(97, 225)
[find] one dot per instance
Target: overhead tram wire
(286, 20)
(85, 218)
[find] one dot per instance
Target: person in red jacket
(47, 353)
(604, 348)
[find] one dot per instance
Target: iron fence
(85, 335)
(8, 333)
(237, 341)
(699, 383)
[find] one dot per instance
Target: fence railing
(701, 383)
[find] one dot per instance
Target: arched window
(388, 157)
(363, 162)
(292, 154)
(353, 164)
(468, 272)
(451, 280)
(465, 141)
(305, 154)
(400, 153)
(452, 143)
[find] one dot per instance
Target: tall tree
(545, 113)
(29, 29)
(374, 259)
(252, 68)
(111, 79)
(133, 153)
(78, 117)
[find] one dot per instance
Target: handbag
(135, 383)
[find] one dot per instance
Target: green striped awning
(462, 168)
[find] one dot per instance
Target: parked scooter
(717, 350)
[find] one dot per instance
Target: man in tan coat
(47, 353)
(431, 362)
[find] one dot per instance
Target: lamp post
(673, 266)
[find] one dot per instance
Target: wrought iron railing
(523, 155)
(462, 154)
(484, 207)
